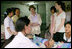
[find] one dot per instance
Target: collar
(35, 14)
(20, 34)
(65, 38)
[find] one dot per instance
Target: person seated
(20, 40)
(67, 34)
(65, 37)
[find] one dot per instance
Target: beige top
(35, 19)
(14, 18)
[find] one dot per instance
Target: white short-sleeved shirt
(20, 41)
(8, 23)
(58, 21)
(64, 37)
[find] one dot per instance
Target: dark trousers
(37, 35)
(58, 36)
(7, 41)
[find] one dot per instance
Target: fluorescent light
(31, 3)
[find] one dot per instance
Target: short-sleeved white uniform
(8, 23)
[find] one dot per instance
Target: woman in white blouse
(35, 20)
(60, 17)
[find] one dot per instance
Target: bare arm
(11, 32)
(40, 20)
(54, 28)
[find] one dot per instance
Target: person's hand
(46, 44)
(54, 31)
(62, 42)
(14, 33)
(51, 43)
(34, 24)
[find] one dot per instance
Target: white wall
(48, 13)
(23, 8)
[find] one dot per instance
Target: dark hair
(14, 10)
(67, 23)
(53, 8)
(9, 10)
(21, 22)
(31, 7)
(62, 5)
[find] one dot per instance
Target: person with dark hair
(66, 37)
(32, 7)
(52, 25)
(16, 15)
(13, 10)
(62, 5)
(8, 24)
(21, 41)
(35, 21)
(53, 9)
(60, 17)
(67, 34)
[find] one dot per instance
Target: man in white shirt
(20, 41)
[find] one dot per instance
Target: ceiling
(24, 2)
